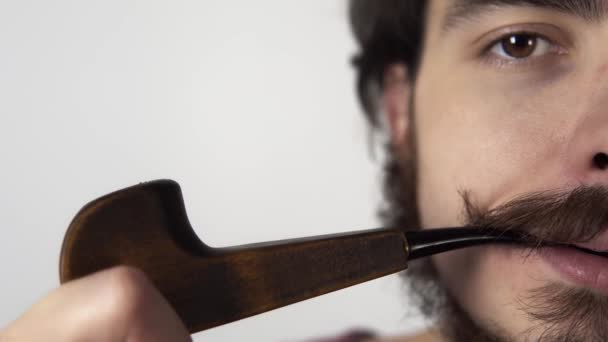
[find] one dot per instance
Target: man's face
(510, 100)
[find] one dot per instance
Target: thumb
(119, 304)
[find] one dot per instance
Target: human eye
(521, 48)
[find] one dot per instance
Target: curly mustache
(559, 313)
(556, 216)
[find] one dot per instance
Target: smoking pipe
(146, 226)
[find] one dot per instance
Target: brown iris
(519, 45)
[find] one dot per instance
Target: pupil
(519, 46)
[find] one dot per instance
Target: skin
(118, 304)
(500, 128)
(485, 124)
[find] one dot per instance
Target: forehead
(457, 10)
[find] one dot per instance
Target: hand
(119, 304)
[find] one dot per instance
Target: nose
(581, 128)
(587, 152)
(585, 145)
(587, 155)
(588, 166)
(600, 161)
(586, 129)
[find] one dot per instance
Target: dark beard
(557, 312)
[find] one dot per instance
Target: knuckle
(127, 289)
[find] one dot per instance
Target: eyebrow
(466, 10)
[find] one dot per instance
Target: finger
(118, 304)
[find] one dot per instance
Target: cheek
(491, 143)
(495, 143)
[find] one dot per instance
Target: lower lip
(580, 268)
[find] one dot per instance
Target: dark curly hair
(387, 32)
(391, 31)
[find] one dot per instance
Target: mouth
(580, 265)
(598, 245)
(600, 253)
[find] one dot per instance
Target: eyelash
(491, 57)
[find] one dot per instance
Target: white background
(249, 105)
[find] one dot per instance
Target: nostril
(600, 161)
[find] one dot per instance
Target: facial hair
(556, 311)
(425, 290)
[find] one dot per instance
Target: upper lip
(598, 243)
(590, 247)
